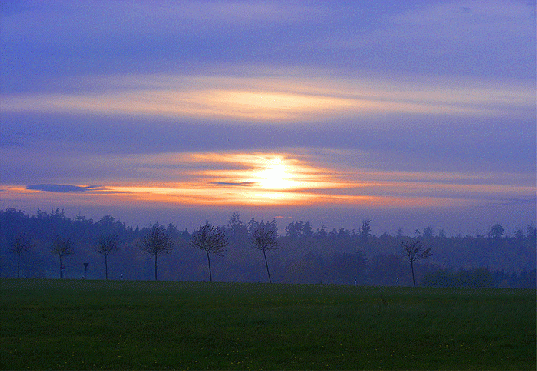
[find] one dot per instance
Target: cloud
(236, 184)
(41, 42)
(487, 38)
(293, 179)
(493, 39)
(93, 150)
(63, 188)
(279, 99)
(468, 22)
(95, 21)
(327, 103)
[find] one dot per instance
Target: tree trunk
(18, 265)
(106, 265)
(412, 269)
(266, 266)
(209, 261)
(156, 278)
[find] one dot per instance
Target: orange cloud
(276, 179)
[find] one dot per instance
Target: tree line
(53, 245)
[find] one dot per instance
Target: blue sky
(409, 113)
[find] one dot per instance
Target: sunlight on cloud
(277, 98)
(210, 104)
(281, 179)
(266, 171)
(224, 179)
(275, 106)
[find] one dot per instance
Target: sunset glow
(280, 179)
(418, 113)
(276, 175)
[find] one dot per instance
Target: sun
(275, 175)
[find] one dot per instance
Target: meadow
(84, 324)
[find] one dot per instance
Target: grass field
(76, 324)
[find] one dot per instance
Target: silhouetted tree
(157, 242)
(20, 245)
(294, 229)
(237, 231)
(414, 251)
(299, 229)
(107, 245)
(347, 268)
(532, 232)
(307, 230)
(264, 238)
(210, 239)
(428, 232)
(365, 230)
(519, 235)
(387, 269)
(321, 233)
(62, 247)
(474, 278)
(496, 231)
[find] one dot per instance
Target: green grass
(76, 324)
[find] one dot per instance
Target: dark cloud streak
(234, 184)
(63, 188)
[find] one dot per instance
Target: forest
(31, 246)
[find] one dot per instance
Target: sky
(411, 114)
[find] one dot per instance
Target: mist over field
(300, 254)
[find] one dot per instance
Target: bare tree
(210, 239)
(414, 251)
(20, 246)
(107, 245)
(62, 247)
(157, 242)
(264, 237)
